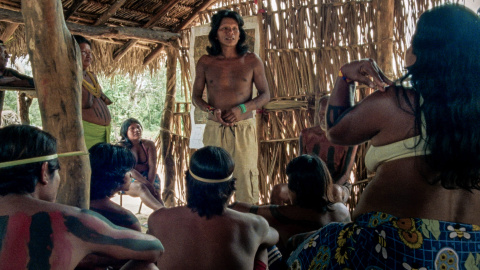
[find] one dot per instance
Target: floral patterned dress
(378, 240)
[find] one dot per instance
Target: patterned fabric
(156, 182)
(381, 241)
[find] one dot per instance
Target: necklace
(93, 89)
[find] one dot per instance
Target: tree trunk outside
(57, 72)
(23, 104)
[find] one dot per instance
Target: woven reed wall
(306, 42)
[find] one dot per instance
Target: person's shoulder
(248, 219)
(148, 143)
(252, 56)
(165, 212)
(205, 59)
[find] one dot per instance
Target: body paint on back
(88, 234)
(3, 229)
(63, 255)
(40, 246)
(13, 254)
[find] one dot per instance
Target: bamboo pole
(384, 20)
(58, 80)
(166, 127)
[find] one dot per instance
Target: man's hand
(233, 115)
(218, 114)
(8, 79)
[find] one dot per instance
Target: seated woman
(421, 208)
(37, 233)
(144, 174)
(310, 187)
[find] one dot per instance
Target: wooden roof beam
(109, 13)
(9, 30)
(153, 54)
(193, 15)
(160, 13)
(75, 6)
(148, 35)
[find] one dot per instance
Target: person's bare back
(205, 234)
(228, 241)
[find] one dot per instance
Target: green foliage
(141, 97)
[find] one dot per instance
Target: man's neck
(229, 52)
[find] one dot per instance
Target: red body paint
(14, 253)
(62, 256)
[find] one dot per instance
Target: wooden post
(384, 40)
(2, 99)
(258, 116)
(166, 127)
(57, 72)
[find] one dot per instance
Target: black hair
(109, 165)
(23, 142)
(446, 44)
(82, 39)
(209, 199)
(216, 49)
(124, 130)
(309, 178)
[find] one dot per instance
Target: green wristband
(243, 108)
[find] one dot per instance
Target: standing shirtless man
(229, 72)
(95, 114)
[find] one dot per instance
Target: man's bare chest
(235, 71)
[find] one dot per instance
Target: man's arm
(152, 160)
(24, 80)
(101, 236)
(268, 235)
(260, 81)
(347, 164)
(199, 87)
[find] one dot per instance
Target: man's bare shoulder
(170, 212)
(246, 218)
(148, 143)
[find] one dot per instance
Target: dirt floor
(133, 205)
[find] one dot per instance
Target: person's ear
(44, 175)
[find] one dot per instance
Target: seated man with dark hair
(206, 234)
(11, 77)
(111, 165)
(35, 232)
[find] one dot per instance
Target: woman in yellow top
(421, 209)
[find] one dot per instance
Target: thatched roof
(127, 35)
